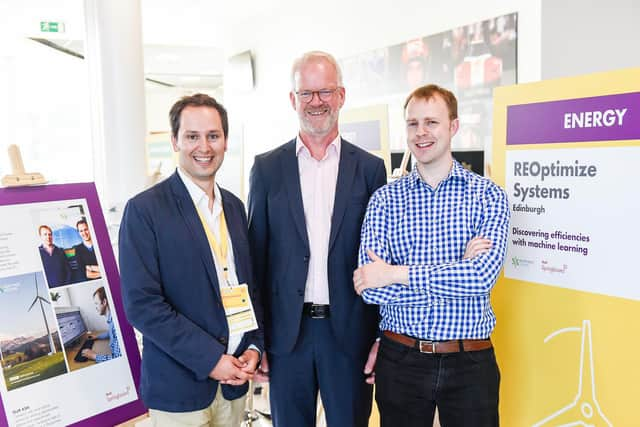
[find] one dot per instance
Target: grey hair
(307, 57)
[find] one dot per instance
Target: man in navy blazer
(174, 270)
(306, 204)
(54, 261)
(86, 253)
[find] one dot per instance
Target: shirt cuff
(419, 278)
(253, 347)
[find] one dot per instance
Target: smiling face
(200, 144)
(83, 229)
(429, 132)
(46, 236)
(318, 118)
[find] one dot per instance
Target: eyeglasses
(324, 94)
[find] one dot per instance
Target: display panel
(59, 295)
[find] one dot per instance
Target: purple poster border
(87, 191)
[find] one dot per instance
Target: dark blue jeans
(409, 385)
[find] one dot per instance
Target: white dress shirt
(212, 218)
(318, 186)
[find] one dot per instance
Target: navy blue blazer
(171, 294)
(56, 267)
(278, 236)
(84, 257)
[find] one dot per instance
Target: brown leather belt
(453, 346)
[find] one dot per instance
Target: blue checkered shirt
(409, 223)
(113, 342)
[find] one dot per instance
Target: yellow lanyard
(219, 250)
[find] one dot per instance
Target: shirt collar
(457, 172)
(199, 197)
(334, 146)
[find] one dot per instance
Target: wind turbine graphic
(584, 410)
(40, 299)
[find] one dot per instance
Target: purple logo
(545, 266)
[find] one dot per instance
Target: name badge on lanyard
(236, 300)
(241, 317)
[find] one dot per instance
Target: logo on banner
(520, 262)
(117, 396)
(546, 266)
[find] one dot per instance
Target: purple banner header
(598, 118)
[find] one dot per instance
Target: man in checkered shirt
(432, 246)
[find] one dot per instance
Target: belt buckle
(425, 346)
(312, 312)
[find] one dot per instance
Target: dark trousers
(318, 363)
(409, 385)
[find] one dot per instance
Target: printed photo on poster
(29, 338)
(87, 328)
(66, 245)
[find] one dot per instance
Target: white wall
(346, 29)
(159, 100)
(587, 36)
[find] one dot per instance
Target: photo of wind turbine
(40, 299)
(29, 338)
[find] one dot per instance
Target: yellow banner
(567, 152)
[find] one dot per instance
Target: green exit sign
(51, 27)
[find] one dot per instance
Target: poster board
(470, 60)
(50, 304)
(567, 152)
(368, 128)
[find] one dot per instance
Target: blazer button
(301, 292)
(223, 340)
(306, 258)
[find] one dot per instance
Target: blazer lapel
(191, 218)
(291, 178)
(234, 227)
(346, 172)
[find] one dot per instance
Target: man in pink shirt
(306, 204)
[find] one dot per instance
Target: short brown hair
(197, 100)
(44, 226)
(102, 294)
(429, 91)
